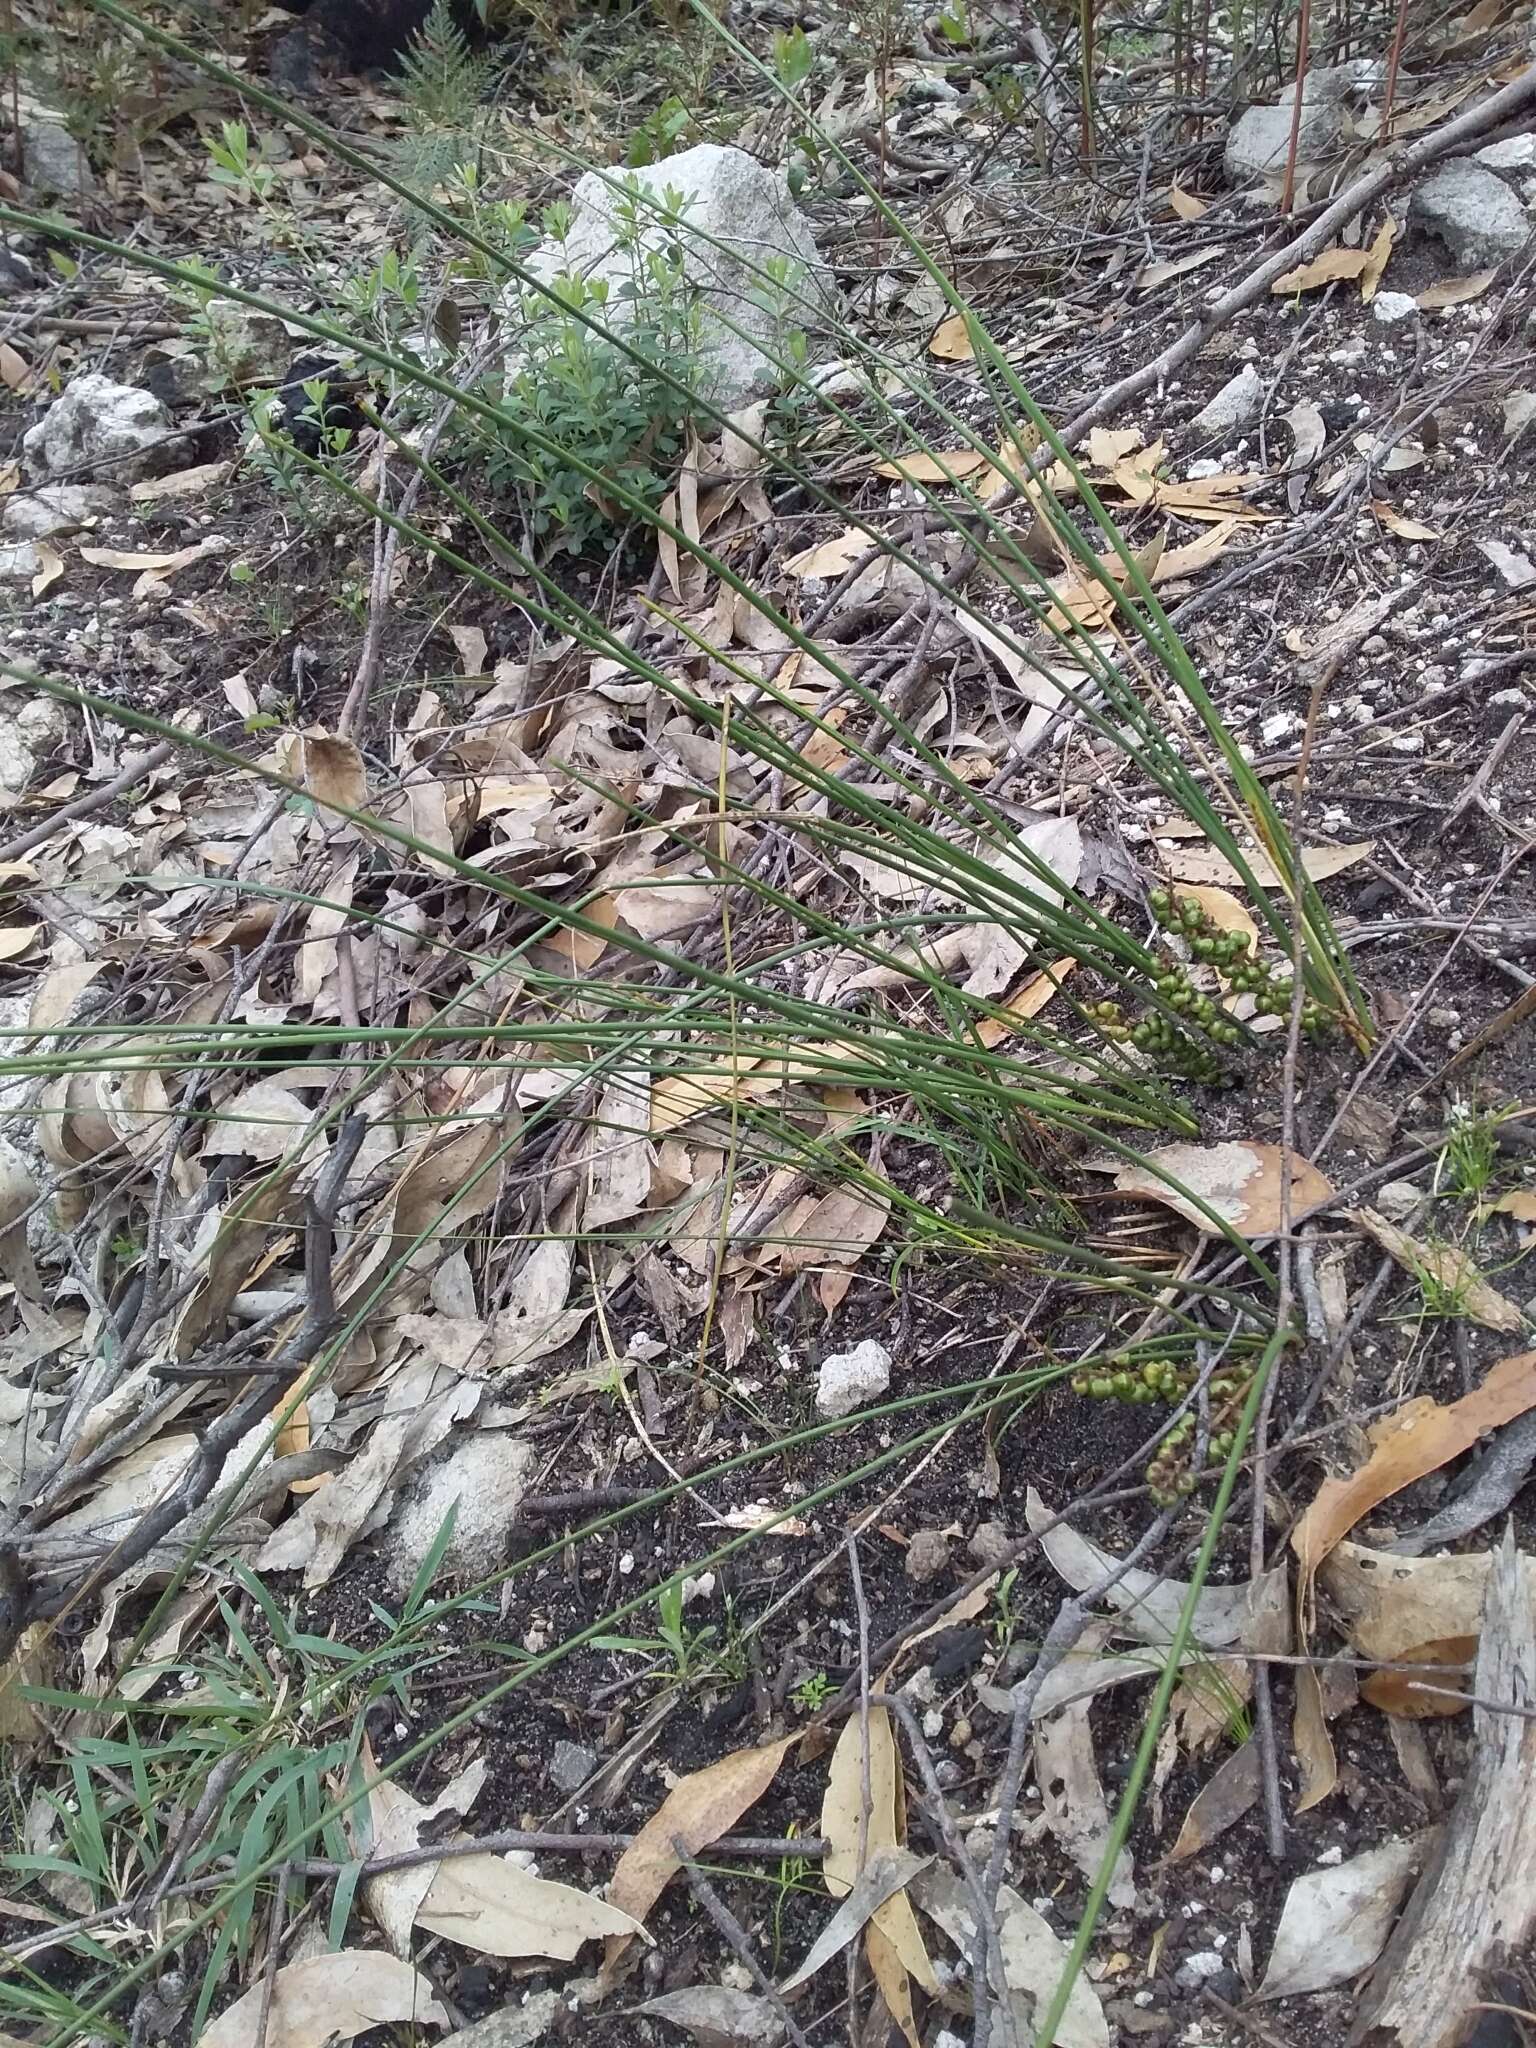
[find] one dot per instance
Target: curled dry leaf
(1420, 1437)
(697, 1810)
(892, 1941)
(334, 774)
(1335, 1922)
(1414, 1610)
(719, 2017)
(1449, 1270)
(325, 1999)
(1241, 1180)
(1034, 1960)
(885, 1874)
(1249, 1616)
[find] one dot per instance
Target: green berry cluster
(1229, 952)
(1121, 1378)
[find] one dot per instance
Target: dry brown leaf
(324, 1999)
(1400, 524)
(847, 1830)
(1419, 1609)
(50, 568)
(1025, 1000)
(1434, 1664)
(677, 1098)
(951, 340)
(1333, 266)
(1204, 864)
(1455, 291)
(830, 1232)
(29, 1664)
(830, 557)
(698, 1810)
(1226, 911)
(1419, 1438)
(1519, 1203)
(181, 483)
(155, 564)
(1090, 604)
(1449, 1270)
(1377, 258)
(1231, 1791)
(15, 939)
(334, 773)
(946, 466)
(1151, 275)
(1241, 1180)
(1184, 204)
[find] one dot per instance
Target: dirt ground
(1371, 658)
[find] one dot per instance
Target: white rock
(1514, 153)
(1472, 212)
(1397, 1200)
(736, 218)
(56, 508)
(1235, 404)
(1197, 1969)
(19, 564)
(484, 1479)
(17, 762)
(1390, 307)
(1258, 141)
(52, 162)
(1208, 465)
(850, 1379)
(96, 425)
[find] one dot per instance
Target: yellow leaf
(951, 340)
(1205, 864)
(678, 1097)
(1521, 1204)
(1376, 259)
(946, 466)
(1024, 1000)
(1185, 204)
(1333, 266)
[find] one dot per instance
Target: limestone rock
(1234, 406)
(1472, 212)
(55, 508)
(736, 219)
(483, 1482)
(851, 1379)
(53, 165)
(1259, 139)
(98, 429)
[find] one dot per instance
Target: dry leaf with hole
(325, 1999)
(1447, 1270)
(951, 340)
(1241, 1180)
(1335, 1922)
(1419, 1438)
(1072, 1802)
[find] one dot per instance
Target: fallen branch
(1394, 164)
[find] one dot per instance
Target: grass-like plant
(1002, 1099)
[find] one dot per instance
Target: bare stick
(93, 800)
(730, 1927)
(1396, 164)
